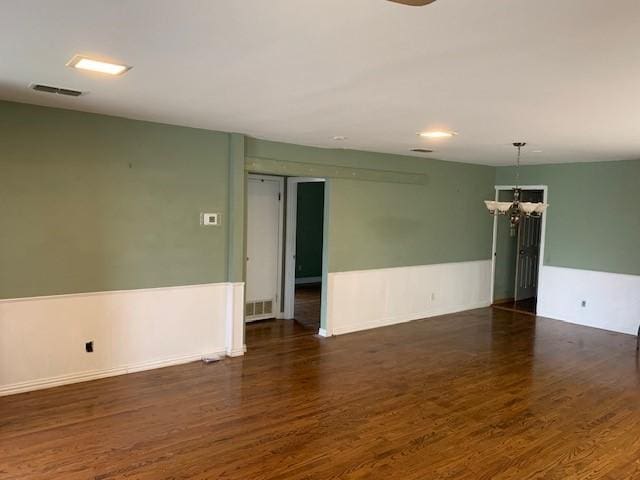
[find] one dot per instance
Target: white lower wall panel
(42, 339)
(612, 299)
(366, 299)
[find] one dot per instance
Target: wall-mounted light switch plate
(209, 219)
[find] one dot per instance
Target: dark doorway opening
(517, 258)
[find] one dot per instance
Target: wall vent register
(259, 309)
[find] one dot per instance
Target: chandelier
(516, 209)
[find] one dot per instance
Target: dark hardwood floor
(307, 320)
(485, 394)
(527, 306)
(307, 305)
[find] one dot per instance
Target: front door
(529, 234)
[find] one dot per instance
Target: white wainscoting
(612, 299)
(42, 339)
(365, 299)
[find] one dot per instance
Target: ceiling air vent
(60, 91)
(421, 150)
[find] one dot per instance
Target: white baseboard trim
(612, 299)
(97, 374)
(385, 322)
(42, 339)
(323, 333)
(111, 292)
(364, 299)
(236, 352)
(308, 280)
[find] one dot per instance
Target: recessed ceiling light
(85, 63)
(339, 138)
(437, 134)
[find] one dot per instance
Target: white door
(264, 247)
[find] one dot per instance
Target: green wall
(592, 221)
(93, 203)
(309, 225)
(415, 211)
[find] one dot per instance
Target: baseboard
(238, 352)
(133, 330)
(386, 322)
(308, 280)
(503, 300)
(323, 333)
(79, 377)
(360, 300)
(612, 301)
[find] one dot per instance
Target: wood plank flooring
(527, 306)
(477, 395)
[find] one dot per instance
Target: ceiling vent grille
(421, 150)
(60, 91)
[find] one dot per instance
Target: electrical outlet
(88, 347)
(584, 303)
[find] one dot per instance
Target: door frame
(277, 310)
(290, 243)
(545, 196)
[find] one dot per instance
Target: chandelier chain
(518, 168)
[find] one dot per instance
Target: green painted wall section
(93, 203)
(380, 224)
(96, 203)
(389, 225)
(592, 221)
(236, 219)
(309, 225)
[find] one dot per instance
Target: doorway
(265, 216)
(284, 261)
(304, 250)
(517, 254)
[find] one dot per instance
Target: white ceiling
(563, 75)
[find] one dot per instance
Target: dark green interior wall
(309, 225)
(506, 254)
(380, 224)
(94, 203)
(592, 223)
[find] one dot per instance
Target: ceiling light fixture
(85, 63)
(437, 134)
(516, 209)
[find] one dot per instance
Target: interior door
(528, 259)
(264, 247)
